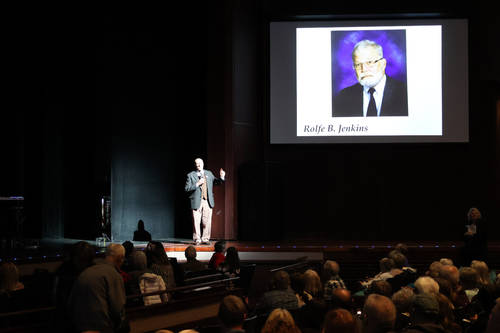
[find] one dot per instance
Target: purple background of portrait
(393, 43)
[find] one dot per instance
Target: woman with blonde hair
(312, 284)
(280, 321)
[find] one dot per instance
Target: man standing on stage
(199, 185)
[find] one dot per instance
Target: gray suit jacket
(195, 191)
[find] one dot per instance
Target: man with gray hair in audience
(427, 285)
(97, 301)
(192, 264)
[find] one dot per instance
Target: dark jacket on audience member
(97, 301)
(193, 265)
(274, 299)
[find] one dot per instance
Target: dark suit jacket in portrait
(349, 101)
(195, 191)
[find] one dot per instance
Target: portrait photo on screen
(369, 81)
(369, 73)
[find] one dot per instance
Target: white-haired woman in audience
(426, 285)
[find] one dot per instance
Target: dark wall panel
(142, 181)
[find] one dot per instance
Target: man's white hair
(365, 44)
(427, 285)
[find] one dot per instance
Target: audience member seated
(341, 298)
(312, 284)
(402, 248)
(435, 269)
(494, 321)
(297, 283)
(280, 321)
(232, 314)
(446, 315)
(424, 314)
(310, 316)
(139, 265)
(483, 271)
(485, 300)
(150, 283)
(385, 265)
(280, 295)
(159, 264)
(402, 274)
(402, 300)
(13, 295)
(231, 264)
(399, 262)
(379, 314)
(451, 274)
(446, 261)
(331, 279)
(340, 321)
(218, 257)
(472, 308)
(97, 300)
(380, 287)
(141, 234)
(469, 281)
(192, 264)
(445, 288)
(426, 285)
(81, 256)
(129, 249)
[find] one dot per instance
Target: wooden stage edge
(316, 250)
(255, 250)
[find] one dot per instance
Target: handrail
(25, 312)
(201, 277)
(193, 287)
(297, 264)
